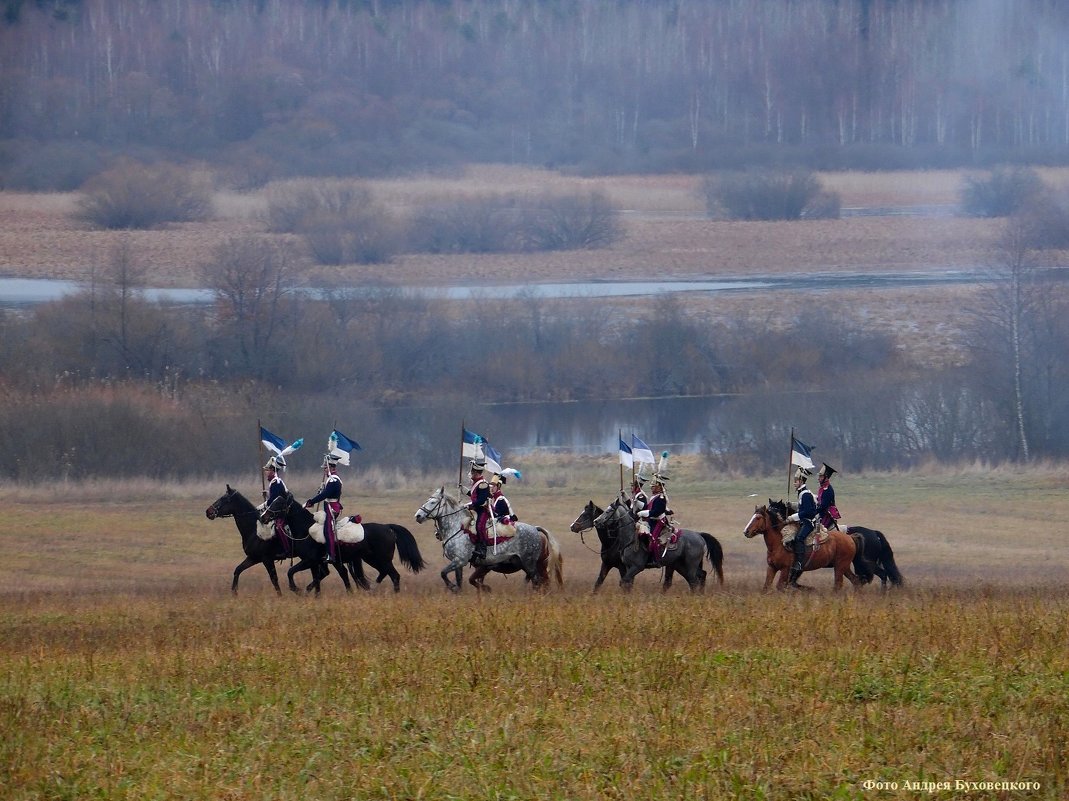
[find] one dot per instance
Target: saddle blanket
(346, 529)
(505, 532)
(817, 537)
(266, 531)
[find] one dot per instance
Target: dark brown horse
(836, 552)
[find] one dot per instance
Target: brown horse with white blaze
(837, 552)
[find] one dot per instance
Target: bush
(135, 195)
(488, 224)
(1002, 193)
(514, 223)
(339, 220)
(571, 222)
(767, 195)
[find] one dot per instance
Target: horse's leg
(669, 571)
(297, 568)
(269, 564)
(605, 568)
(453, 567)
(343, 571)
(245, 565)
(476, 579)
(770, 574)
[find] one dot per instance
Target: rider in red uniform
(479, 493)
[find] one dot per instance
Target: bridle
(436, 515)
(217, 513)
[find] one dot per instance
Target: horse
(874, 554)
(686, 559)
(376, 549)
(612, 548)
(837, 552)
(266, 552)
(533, 550)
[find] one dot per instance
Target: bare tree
(251, 278)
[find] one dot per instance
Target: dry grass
(667, 236)
(129, 672)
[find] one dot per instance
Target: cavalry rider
(657, 510)
(276, 487)
(806, 515)
(638, 500)
(826, 497)
(479, 493)
(499, 504)
(330, 494)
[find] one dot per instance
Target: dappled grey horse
(685, 559)
(526, 551)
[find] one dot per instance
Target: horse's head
(278, 508)
(759, 523)
(586, 518)
(432, 508)
(780, 509)
(226, 504)
(611, 517)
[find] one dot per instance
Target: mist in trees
(265, 89)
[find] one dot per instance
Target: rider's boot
(796, 572)
(480, 552)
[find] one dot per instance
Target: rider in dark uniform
(330, 494)
(806, 515)
(826, 508)
(276, 487)
(479, 494)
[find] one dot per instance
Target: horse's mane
(239, 498)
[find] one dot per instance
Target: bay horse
(266, 552)
(874, 558)
(685, 559)
(837, 552)
(533, 549)
(612, 546)
(377, 548)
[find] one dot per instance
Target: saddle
(817, 537)
(346, 529)
(271, 529)
(505, 532)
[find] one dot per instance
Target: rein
(432, 514)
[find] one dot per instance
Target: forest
(265, 89)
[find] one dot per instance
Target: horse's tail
(716, 555)
(407, 549)
(556, 558)
(887, 559)
(862, 564)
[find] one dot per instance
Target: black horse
(266, 552)
(874, 555)
(613, 547)
(377, 548)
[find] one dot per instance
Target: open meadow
(130, 672)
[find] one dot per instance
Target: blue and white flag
(641, 451)
(276, 444)
(801, 454)
(341, 446)
(474, 446)
(627, 459)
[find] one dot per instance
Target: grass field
(129, 672)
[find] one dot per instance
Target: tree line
(105, 382)
(275, 88)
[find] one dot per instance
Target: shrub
(133, 195)
(51, 166)
(1003, 192)
(487, 224)
(571, 222)
(515, 223)
(339, 220)
(766, 195)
